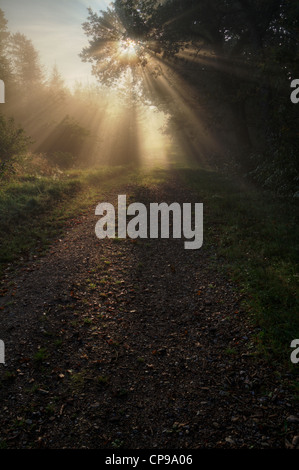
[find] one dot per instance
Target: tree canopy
(241, 55)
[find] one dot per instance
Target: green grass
(34, 210)
(255, 236)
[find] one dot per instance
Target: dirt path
(122, 344)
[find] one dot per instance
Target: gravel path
(134, 344)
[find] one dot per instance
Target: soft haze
(55, 28)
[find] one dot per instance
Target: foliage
(107, 32)
(13, 141)
(255, 236)
(25, 61)
(46, 101)
(65, 142)
(5, 69)
(56, 87)
(64, 160)
(33, 209)
(240, 55)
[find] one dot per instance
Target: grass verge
(34, 210)
(255, 235)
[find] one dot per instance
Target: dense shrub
(66, 139)
(13, 142)
(63, 160)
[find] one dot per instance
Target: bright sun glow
(128, 48)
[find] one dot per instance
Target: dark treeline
(240, 56)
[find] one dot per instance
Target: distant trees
(20, 68)
(5, 68)
(13, 139)
(26, 68)
(56, 87)
(23, 74)
(39, 103)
